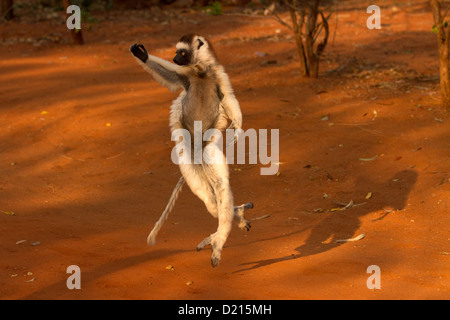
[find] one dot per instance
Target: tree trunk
(306, 30)
(301, 52)
(298, 31)
(314, 67)
(444, 77)
(6, 9)
(443, 47)
(311, 25)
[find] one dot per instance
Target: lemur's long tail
(151, 239)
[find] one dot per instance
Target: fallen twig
(359, 126)
(386, 212)
(346, 206)
(115, 156)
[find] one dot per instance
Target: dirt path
(85, 164)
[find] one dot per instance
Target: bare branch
(278, 18)
(307, 29)
(270, 12)
(445, 13)
(324, 42)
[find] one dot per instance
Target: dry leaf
(169, 267)
(361, 236)
(369, 195)
(189, 283)
(8, 212)
(262, 217)
(368, 159)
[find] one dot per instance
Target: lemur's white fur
(204, 53)
(182, 45)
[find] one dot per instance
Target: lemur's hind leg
(239, 215)
(240, 219)
(214, 171)
(198, 182)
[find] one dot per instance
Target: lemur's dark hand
(139, 52)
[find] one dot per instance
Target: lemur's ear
(200, 43)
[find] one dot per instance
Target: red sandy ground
(85, 163)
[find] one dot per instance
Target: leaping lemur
(206, 96)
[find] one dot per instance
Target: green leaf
(434, 29)
(214, 9)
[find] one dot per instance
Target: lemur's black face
(183, 57)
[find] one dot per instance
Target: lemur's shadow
(342, 225)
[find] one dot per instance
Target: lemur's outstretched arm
(166, 73)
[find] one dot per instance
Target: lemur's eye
(183, 53)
